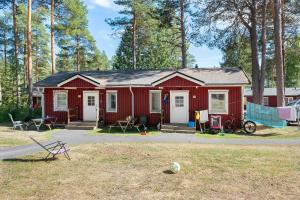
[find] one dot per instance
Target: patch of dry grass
(138, 171)
(10, 138)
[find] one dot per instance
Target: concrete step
(81, 125)
(177, 128)
(178, 131)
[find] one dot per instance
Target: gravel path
(72, 137)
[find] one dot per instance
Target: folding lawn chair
(16, 124)
(54, 148)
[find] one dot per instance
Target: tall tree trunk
(78, 52)
(278, 52)
(53, 67)
(254, 54)
(3, 78)
(263, 53)
(16, 51)
(134, 40)
(183, 35)
(25, 58)
(29, 56)
(282, 39)
(5, 51)
(36, 59)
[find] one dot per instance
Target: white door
(179, 106)
(90, 105)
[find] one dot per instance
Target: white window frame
(108, 109)
(150, 101)
(55, 106)
(210, 109)
(266, 101)
(289, 99)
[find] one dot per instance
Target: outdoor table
(38, 122)
(123, 125)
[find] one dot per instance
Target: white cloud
(101, 3)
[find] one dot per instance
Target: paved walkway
(80, 137)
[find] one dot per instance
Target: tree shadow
(29, 160)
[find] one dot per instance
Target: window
(155, 101)
(91, 100)
(218, 102)
(60, 102)
(266, 101)
(288, 100)
(111, 101)
(179, 101)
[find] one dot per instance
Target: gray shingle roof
(273, 92)
(210, 76)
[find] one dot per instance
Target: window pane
(91, 100)
(179, 101)
(218, 102)
(60, 101)
(155, 102)
(111, 101)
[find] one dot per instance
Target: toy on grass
(175, 167)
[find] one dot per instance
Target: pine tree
(74, 40)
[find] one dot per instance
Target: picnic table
(125, 124)
(47, 121)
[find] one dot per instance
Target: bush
(21, 113)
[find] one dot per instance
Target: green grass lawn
(129, 132)
(11, 138)
(141, 171)
(262, 132)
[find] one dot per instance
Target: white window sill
(155, 112)
(110, 111)
(217, 113)
(60, 110)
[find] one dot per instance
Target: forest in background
(260, 36)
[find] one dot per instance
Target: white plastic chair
(16, 124)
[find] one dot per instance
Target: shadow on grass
(28, 160)
(168, 172)
(242, 133)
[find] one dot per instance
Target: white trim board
(80, 77)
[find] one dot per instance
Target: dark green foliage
(157, 35)
(73, 36)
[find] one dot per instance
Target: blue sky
(99, 10)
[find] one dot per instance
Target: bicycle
(230, 126)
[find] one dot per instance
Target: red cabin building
(117, 94)
(270, 96)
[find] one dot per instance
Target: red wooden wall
(141, 98)
(272, 100)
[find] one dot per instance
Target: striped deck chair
(54, 148)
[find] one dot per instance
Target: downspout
(132, 101)
(43, 103)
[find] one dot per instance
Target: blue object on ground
(265, 115)
(192, 124)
